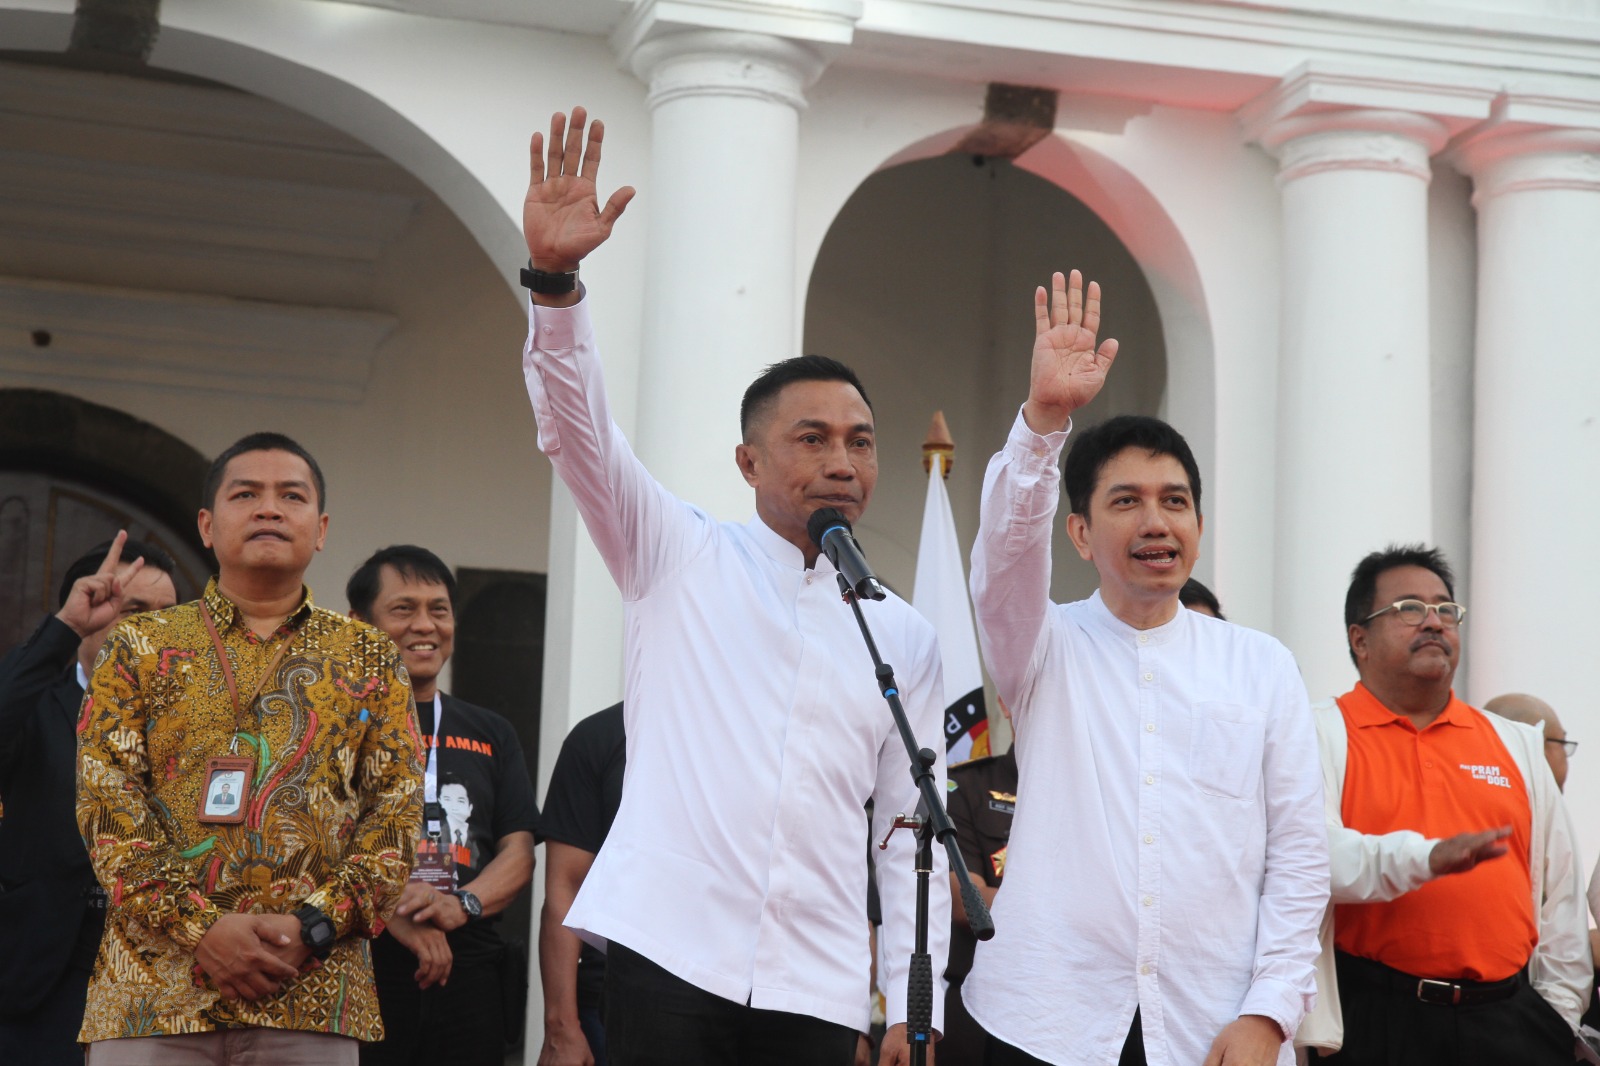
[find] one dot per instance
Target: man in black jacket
(52, 910)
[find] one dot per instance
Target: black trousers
(1385, 1024)
(999, 1053)
(49, 1035)
(653, 1018)
(461, 1023)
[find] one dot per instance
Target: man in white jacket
(1491, 963)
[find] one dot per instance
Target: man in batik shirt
(235, 930)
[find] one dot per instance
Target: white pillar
(1353, 413)
(720, 291)
(1532, 623)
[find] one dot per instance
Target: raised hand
(561, 217)
(95, 601)
(1068, 370)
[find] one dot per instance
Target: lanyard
(227, 675)
(430, 777)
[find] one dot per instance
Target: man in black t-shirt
(438, 963)
(585, 791)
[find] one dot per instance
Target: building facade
(1349, 246)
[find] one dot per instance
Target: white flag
(941, 595)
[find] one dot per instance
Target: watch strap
(547, 283)
(316, 931)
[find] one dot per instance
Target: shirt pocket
(1226, 741)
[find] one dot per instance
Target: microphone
(830, 531)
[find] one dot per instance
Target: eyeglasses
(1568, 746)
(1415, 612)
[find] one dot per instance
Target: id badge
(436, 862)
(226, 794)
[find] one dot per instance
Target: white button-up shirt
(1168, 852)
(756, 734)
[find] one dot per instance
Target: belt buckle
(1442, 993)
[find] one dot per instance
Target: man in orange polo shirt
(1458, 916)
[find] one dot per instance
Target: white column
(720, 290)
(1353, 413)
(1533, 624)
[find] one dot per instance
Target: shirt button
(1145, 969)
(1149, 839)
(1149, 901)
(548, 330)
(1144, 638)
(1150, 727)
(1149, 677)
(1149, 779)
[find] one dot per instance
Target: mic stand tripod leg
(934, 823)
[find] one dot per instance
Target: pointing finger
(536, 159)
(108, 565)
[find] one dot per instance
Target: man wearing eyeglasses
(1531, 710)
(1458, 922)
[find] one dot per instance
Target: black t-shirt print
(484, 788)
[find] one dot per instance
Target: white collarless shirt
(1168, 852)
(755, 734)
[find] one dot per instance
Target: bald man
(1521, 707)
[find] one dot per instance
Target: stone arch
(320, 94)
(1058, 207)
(71, 473)
(52, 433)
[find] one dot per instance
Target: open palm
(562, 219)
(1068, 370)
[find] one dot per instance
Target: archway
(925, 283)
(71, 474)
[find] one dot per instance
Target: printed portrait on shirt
(457, 803)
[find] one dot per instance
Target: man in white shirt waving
(1168, 865)
(730, 889)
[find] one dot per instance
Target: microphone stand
(933, 822)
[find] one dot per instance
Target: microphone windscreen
(823, 520)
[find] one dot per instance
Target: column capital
(1329, 117)
(1533, 140)
(768, 49)
(726, 63)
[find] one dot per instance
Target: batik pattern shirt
(332, 816)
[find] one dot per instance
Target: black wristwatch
(470, 903)
(316, 931)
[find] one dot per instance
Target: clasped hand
(252, 956)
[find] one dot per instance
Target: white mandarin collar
(1161, 634)
(780, 550)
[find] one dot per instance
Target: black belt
(1459, 992)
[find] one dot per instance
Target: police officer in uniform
(982, 801)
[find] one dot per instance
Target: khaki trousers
(229, 1047)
